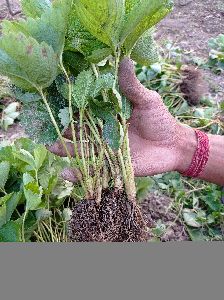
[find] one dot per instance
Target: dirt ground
(158, 211)
(191, 24)
(4, 13)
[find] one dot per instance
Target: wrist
(186, 147)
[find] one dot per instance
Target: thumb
(132, 88)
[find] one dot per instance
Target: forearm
(214, 170)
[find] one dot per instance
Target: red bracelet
(201, 156)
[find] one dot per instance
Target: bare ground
(158, 211)
(191, 24)
(4, 12)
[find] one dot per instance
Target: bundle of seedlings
(63, 61)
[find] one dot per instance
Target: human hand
(157, 140)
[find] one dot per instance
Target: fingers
(59, 150)
(68, 133)
(132, 88)
(72, 175)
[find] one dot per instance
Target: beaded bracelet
(201, 156)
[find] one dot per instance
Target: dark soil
(193, 86)
(156, 209)
(115, 219)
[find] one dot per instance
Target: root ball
(115, 219)
(193, 85)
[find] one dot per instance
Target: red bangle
(201, 156)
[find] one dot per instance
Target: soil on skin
(191, 24)
(156, 209)
(114, 219)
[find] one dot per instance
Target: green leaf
(62, 190)
(4, 199)
(40, 154)
(11, 232)
(11, 204)
(64, 117)
(143, 16)
(34, 8)
(30, 224)
(78, 39)
(101, 110)
(143, 185)
(6, 154)
(126, 108)
(103, 82)
(213, 201)
(111, 133)
(83, 88)
(145, 51)
(8, 205)
(24, 143)
(75, 61)
(41, 130)
(4, 173)
(27, 63)
(103, 19)
(67, 214)
(43, 214)
(130, 4)
(24, 97)
(183, 109)
(27, 178)
(32, 191)
(50, 28)
(190, 217)
(3, 215)
(26, 157)
(196, 235)
(99, 55)
(62, 86)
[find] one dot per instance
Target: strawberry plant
(32, 194)
(63, 62)
(217, 53)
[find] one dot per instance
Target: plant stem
(95, 132)
(71, 113)
(87, 177)
(50, 223)
(71, 116)
(125, 155)
(81, 114)
(115, 91)
(55, 124)
(23, 226)
(104, 94)
(130, 184)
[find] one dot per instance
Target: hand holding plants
(154, 134)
